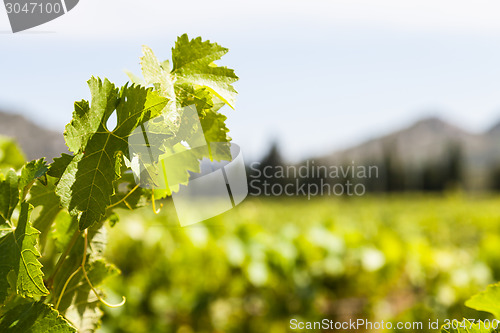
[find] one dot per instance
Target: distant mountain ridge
(426, 139)
(429, 141)
(35, 141)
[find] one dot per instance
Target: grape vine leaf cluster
(191, 78)
(79, 192)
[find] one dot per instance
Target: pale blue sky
(316, 75)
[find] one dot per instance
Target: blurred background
(412, 88)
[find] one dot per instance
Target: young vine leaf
(191, 79)
(193, 64)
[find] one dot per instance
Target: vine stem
(124, 198)
(73, 240)
(98, 296)
(84, 271)
(153, 201)
(90, 283)
(65, 286)
(63, 257)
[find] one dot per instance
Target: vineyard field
(255, 268)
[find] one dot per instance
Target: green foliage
(194, 79)
(29, 173)
(488, 300)
(268, 263)
(10, 154)
(53, 217)
(252, 269)
(33, 317)
(44, 196)
(19, 257)
(193, 65)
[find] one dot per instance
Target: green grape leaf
(9, 195)
(135, 79)
(59, 165)
(193, 80)
(215, 131)
(156, 74)
(86, 316)
(63, 230)
(193, 63)
(33, 317)
(30, 172)
(200, 97)
(212, 122)
(488, 300)
(18, 253)
(86, 186)
(11, 155)
(44, 195)
(467, 327)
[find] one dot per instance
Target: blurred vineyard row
(405, 257)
